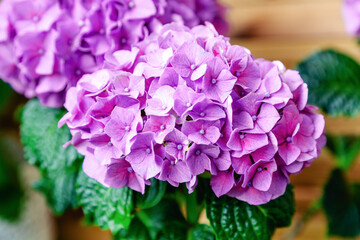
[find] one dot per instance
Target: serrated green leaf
(136, 231)
(333, 79)
(59, 188)
(340, 207)
(43, 142)
(202, 232)
(344, 148)
(282, 209)
(153, 194)
(234, 219)
(109, 208)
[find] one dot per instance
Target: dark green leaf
(109, 208)
(340, 207)
(334, 82)
(344, 148)
(11, 191)
(5, 93)
(153, 194)
(136, 231)
(43, 142)
(202, 232)
(234, 219)
(161, 219)
(282, 209)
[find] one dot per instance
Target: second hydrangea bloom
(186, 101)
(47, 45)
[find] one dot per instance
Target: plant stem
(191, 208)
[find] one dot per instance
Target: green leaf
(334, 82)
(11, 191)
(109, 208)
(202, 232)
(43, 142)
(164, 220)
(234, 219)
(136, 231)
(153, 194)
(340, 206)
(282, 209)
(59, 188)
(344, 148)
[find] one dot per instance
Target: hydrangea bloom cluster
(186, 102)
(351, 14)
(47, 45)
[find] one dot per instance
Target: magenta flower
(186, 102)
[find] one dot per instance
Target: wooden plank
(259, 18)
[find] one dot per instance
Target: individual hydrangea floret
(46, 46)
(351, 14)
(188, 102)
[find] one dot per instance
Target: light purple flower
(351, 14)
(142, 156)
(56, 42)
(250, 128)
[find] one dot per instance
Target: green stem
(191, 208)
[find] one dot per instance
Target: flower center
(126, 89)
(188, 104)
(148, 150)
(202, 131)
(254, 118)
(127, 128)
(197, 153)
(40, 51)
(192, 66)
(237, 73)
(131, 4)
(109, 144)
(123, 40)
(81, 23)
(78, 72)
(35, 18)
(130, 170)
(213, 81)
(242, 136)
(202, 114)
(259, 169)
(288, 139)
(164, 107)
(267, 95)
(162, 127)
(179, 147)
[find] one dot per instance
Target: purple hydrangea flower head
(48, 45)
(187, 102)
